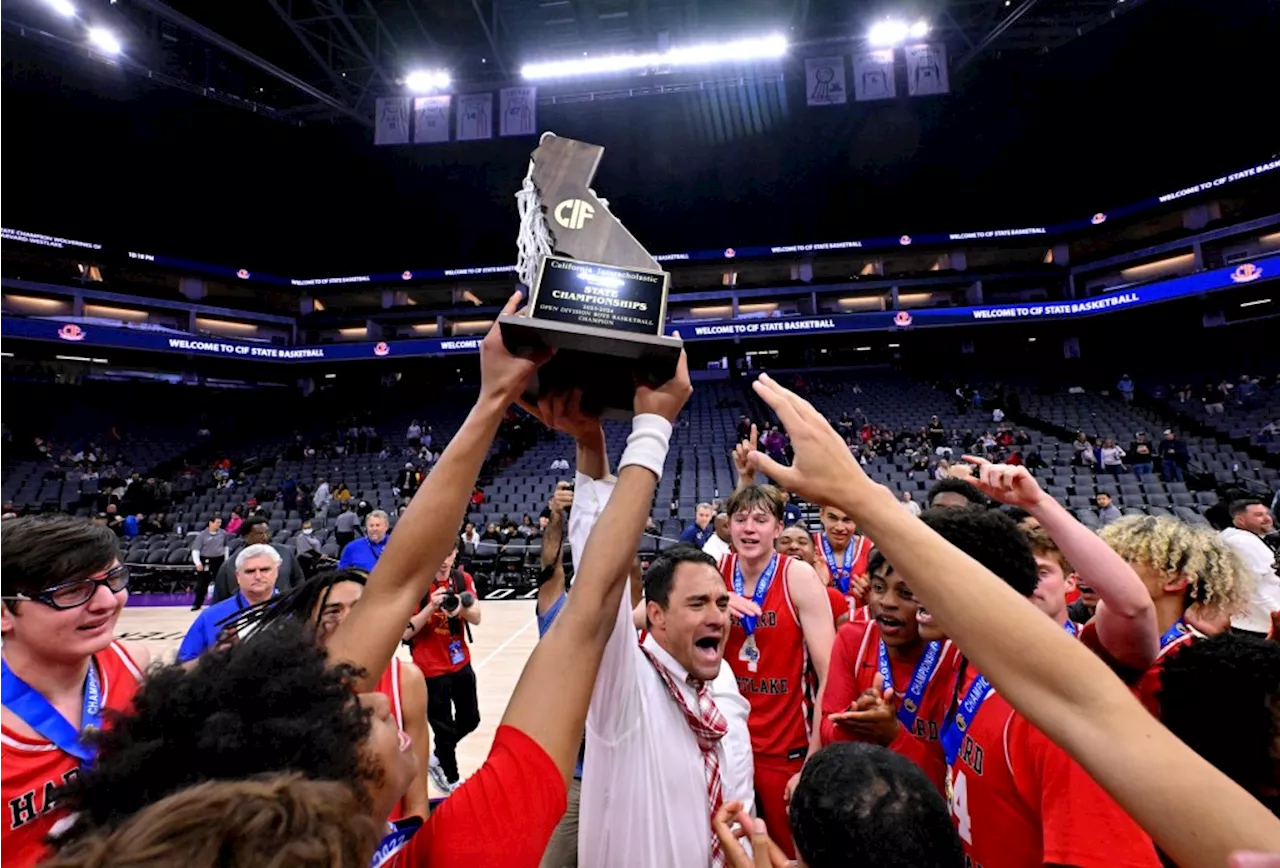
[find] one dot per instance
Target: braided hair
(304, 603)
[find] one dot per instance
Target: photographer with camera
(438, 636)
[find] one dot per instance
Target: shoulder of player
(409, 671)
(849, 636)
(134, 654)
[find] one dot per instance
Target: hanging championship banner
(431, 119)
(391, 127)
(927, 69)
(873, 75)
(475, 117)
(519, 111)
(824, 81)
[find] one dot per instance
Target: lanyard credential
(956, 725)
(402, 831)
(39, 714)
(762, 589)
(840, 575)
(920, 678)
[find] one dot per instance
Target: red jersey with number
(31, 769)
(1145, 684)
(440, 647)
(389, 686)
(855, 662)
(1017, 799)
(775, 683)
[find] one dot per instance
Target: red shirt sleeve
(842, 681)
(504, 814)
(1081, 825)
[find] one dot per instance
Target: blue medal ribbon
(762, 589)
(1071, 627)
(958, 723)
(395, 840)
(909, 709)
(1174, 633)
(840, 575)
(39, 714)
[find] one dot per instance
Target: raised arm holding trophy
(595, 294)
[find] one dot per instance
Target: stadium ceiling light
(893, 31)
(64, 8)
(761, 48)
(428, 80)
(104, 40)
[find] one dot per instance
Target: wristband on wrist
(648, 444)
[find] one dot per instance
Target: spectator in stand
(1173, 457)
(306, 545)
(129, 527)
(1250, 522)
(256, 531)
(477, 497)
(491, 533)
(345, 527)
(1112, 458)
(320, 500)
(363, 553)
(413, 434)
(1125, 388)
(1081, 450)
(236, 520)
(527, 528)
(407, 481)
(470, 536)
(701, 530)
(1106, 511)
(909, 504)
(1141, 455)
(208, 551)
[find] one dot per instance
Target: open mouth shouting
(890, 627)
(708, 648)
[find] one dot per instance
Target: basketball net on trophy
(595, 293)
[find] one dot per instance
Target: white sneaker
(436, 772)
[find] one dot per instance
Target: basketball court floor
(503, 641)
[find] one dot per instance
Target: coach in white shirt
(646, 790)
(717, 545)
(1251, 521)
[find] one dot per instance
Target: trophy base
(603, 363)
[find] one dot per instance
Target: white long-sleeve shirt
(1261, 561)
(644, 788)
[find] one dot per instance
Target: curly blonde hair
(1216, 577)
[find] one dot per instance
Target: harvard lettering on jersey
(1017, 799)
(389, 686)
(1145, 684)
(854, 666)
(33, 769)
(779, 720)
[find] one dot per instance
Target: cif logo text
(574, 213)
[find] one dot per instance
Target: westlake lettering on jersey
(971, 754)
(24, 809)
(771, 686)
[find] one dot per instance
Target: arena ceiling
(307, 60)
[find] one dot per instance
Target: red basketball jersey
(855, 662)
(34, 768)
(389, 686)
(1146, 683)
(774, 684)
(861, 546)
(1017, 799)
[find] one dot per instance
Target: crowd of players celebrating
(892, 691)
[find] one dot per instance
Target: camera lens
(468, 599)
(449, 602)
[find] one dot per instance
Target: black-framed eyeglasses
(79, 592)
